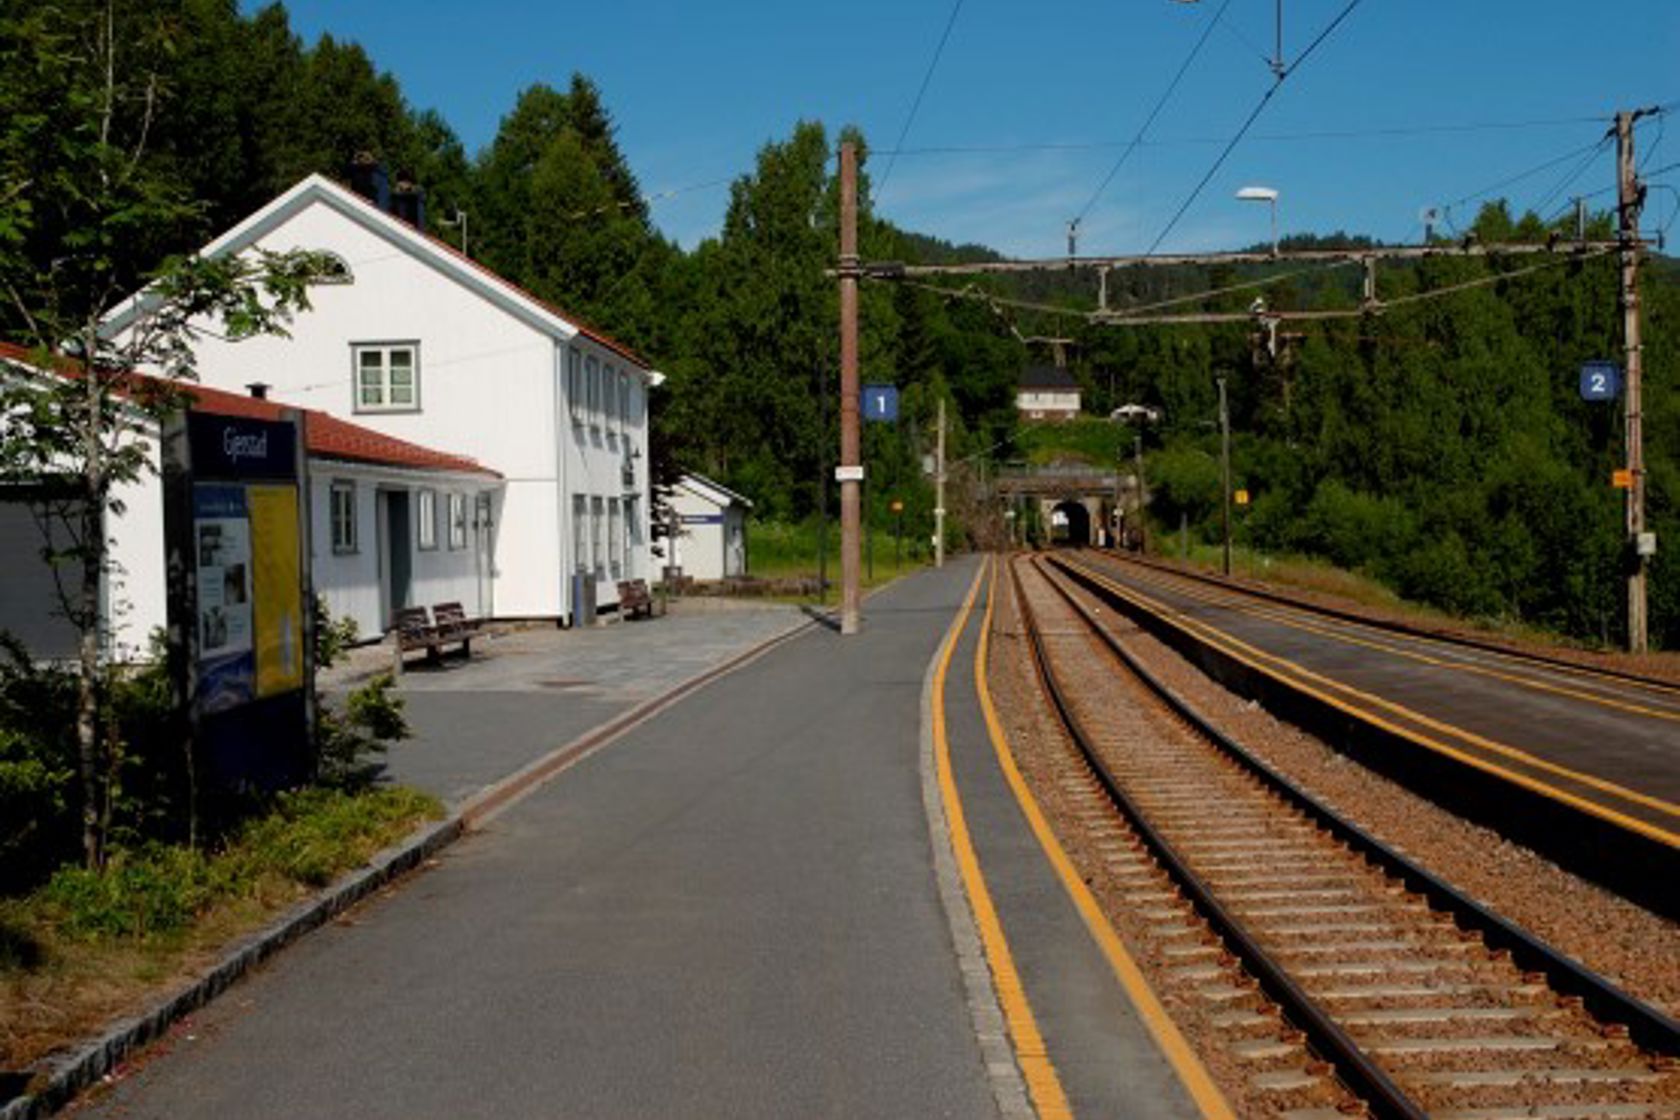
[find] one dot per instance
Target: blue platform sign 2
(880, 402)
(1600, 381)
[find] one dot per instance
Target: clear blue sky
(697, 88)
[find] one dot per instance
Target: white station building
(417, 342)
(711, 538)
(355, 475)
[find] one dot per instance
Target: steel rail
(1403, 629)
(1357, 1070)
(1647, 1026)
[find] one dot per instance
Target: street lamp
(1269, 196)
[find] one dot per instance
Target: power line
(917, 103)
(1564, 183)
(1153, 113)
(1431, 129)
(1265, 99)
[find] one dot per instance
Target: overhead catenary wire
(1137, 317)
(1160, 104)
(1265, 99)
(1569, 178)
(921, 91)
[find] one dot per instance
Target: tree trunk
(88, 618)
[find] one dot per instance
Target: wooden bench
(415, 630)
(634, 599)
(453, 625)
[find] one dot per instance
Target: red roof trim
(327, 436)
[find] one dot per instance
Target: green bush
(351, 742)
(155, 892)
(139, 896)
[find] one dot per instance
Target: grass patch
(86, 947)
(781, 551)
(1086, 439)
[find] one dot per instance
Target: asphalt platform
(730, 910)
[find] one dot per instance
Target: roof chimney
(408, 201)
(368, 179)
(258, 390)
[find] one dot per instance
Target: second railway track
(1423, 1003)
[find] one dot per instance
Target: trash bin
(583, 599)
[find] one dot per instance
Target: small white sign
(1645, 544)
(848, 474)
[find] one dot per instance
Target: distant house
(1047, 393)
(413, 340)
(356, 476)
(711, 538)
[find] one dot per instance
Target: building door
(396, 551)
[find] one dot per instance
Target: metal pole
(898, 541)
(868, 532)
(1225, 470)
(1142, 491)
(939, 507)
(851, 467)
(1628, 195)
(822, 488)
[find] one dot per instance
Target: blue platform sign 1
(880, 402)
(1600, 381)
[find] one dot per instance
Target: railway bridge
(1076, 502)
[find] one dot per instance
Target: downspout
(563, 498)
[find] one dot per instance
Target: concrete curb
(70, 1074)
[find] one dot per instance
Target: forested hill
(1441, 445)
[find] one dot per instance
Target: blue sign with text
(880, 402)
(1600, 381)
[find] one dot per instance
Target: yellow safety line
(1233, 646)
(1287, 616)
(1194, 1076)
(1045, 1088)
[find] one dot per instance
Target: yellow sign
(278, 592)
(897, 506)
(1240, 497)
(1622, 480)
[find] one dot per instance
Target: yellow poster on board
(278, 594)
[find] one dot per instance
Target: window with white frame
(457, 522)
(574, 383)
(609, 398)
(580, 533)
(598, 536)
(387, 376)
(426, 519)
(624, 398)
(342, 509)
(592, 366)
(615, 538)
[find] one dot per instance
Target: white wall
(703, 548)
(353, 584)
(490, 385)
(486, 381)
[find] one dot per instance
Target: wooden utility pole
(850, 471)
(1630, 197)
(939, 501)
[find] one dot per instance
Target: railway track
(1665, 693)
(1422, 1002)
(1623, 838)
